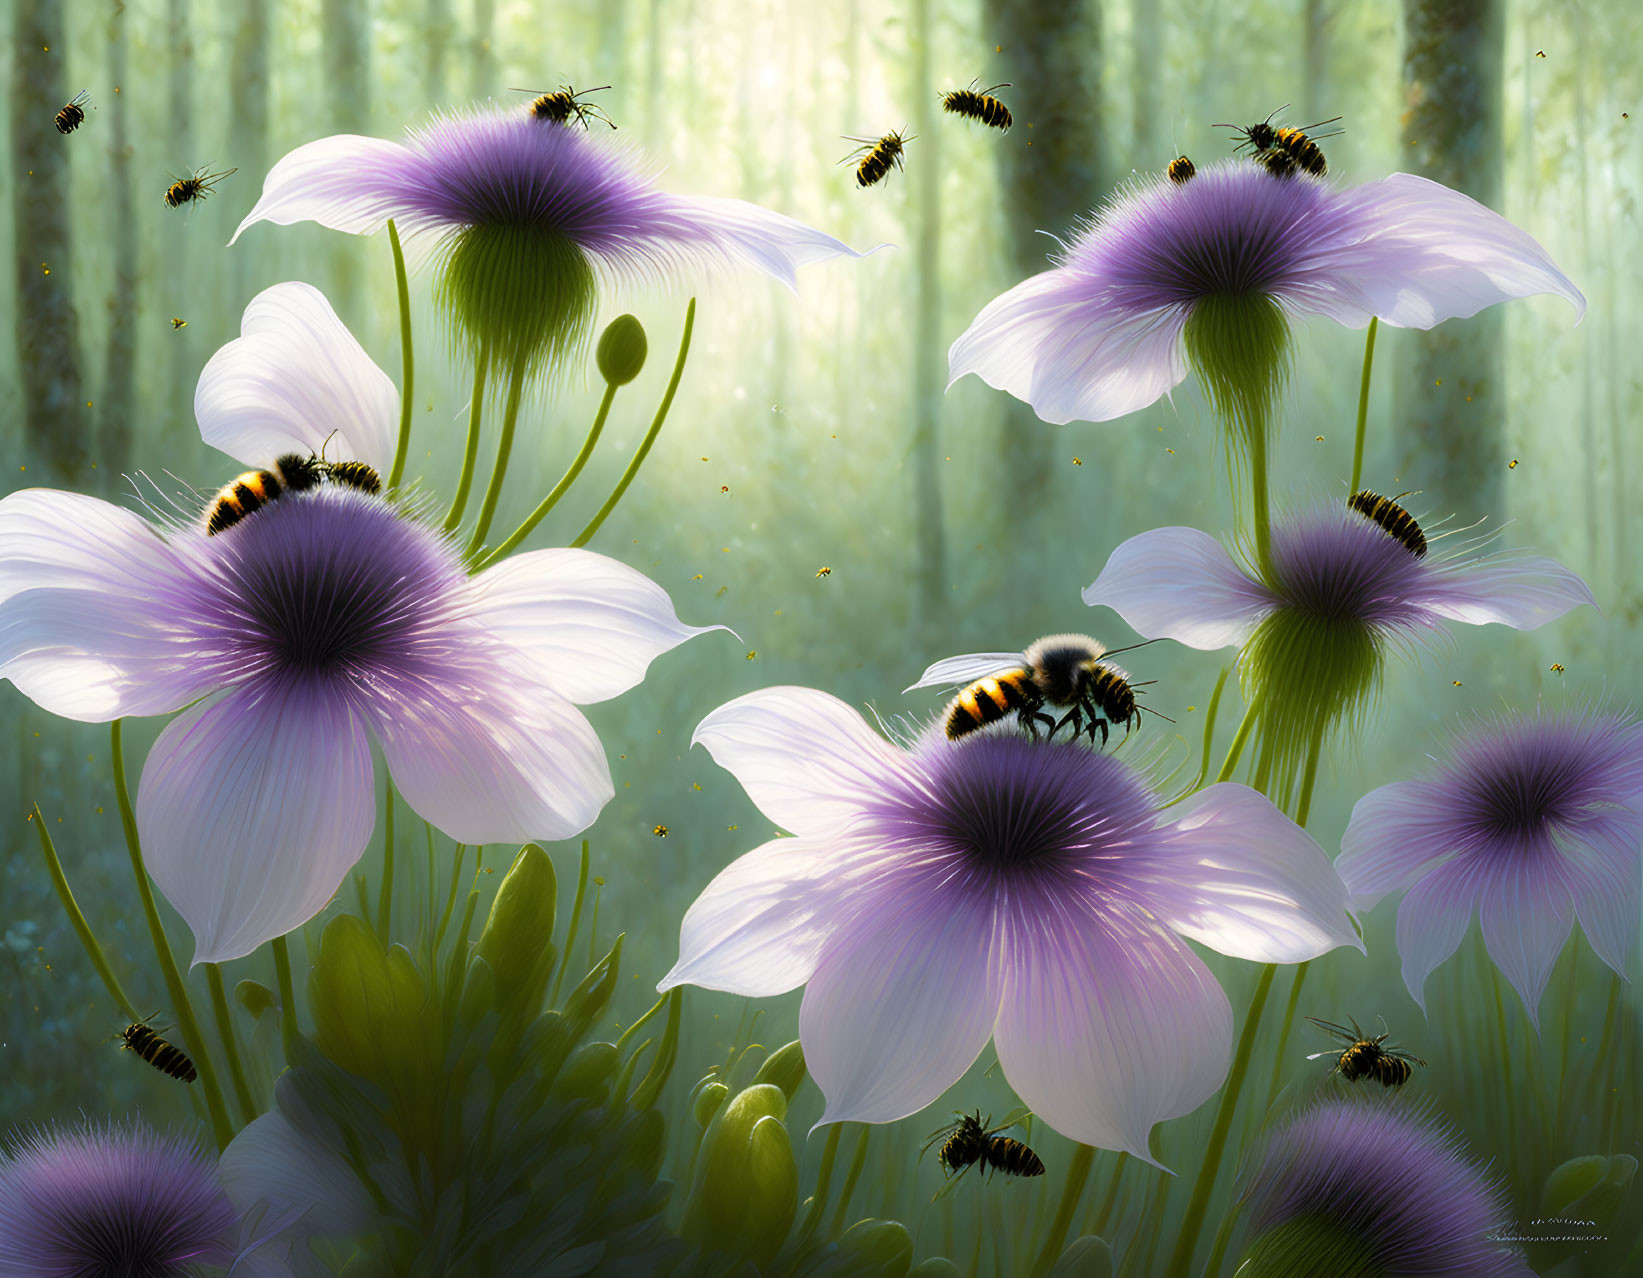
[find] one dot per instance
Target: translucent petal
(1433, 918)
(754, 236)
(1521, 591)
(337, 181)
(966, 668)
(295, 380)
(252, 808)
(271, 1161)
(1394, 836)
(1179, 583)
(1603, 875)
(1527, 911)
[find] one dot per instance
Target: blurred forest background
(816, 431)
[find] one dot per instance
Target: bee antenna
(1113, 652)
(1285, 107)
(1150, 710)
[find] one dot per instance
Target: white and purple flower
(525, 216)
(319, 624)
(1530, 821)
(1030, 892)
(1364, 1190)
(1168, 276)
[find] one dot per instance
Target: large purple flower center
(1003, 805)
(1338, 567)
(329, 585)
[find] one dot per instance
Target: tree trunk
(248, 130)
(929, 361)
(345, 36)
(45, 327)
(1146, 63)
(613, 44)
(1452, 396)
(118, 397)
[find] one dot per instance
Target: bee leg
(1102, 724)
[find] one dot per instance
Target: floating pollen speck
(724, 488)
(695, 785)
(660, 832)
(697, 577)
(1078, 461)
(1457, 683)
(752, 654)
(1556, 668)
(824, 571)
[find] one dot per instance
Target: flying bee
(178, 321)
(1059, 670)
(970, 1141)
(1299, 152)
(291, 472)
(1398, 523)
(191, 189)
(1364, 1057)
(979, 104)
(170, 1060)
(1181, 170)
(567, 105)
(73, 114)
(878, 156)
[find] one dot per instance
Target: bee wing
(966, 668)
(1315, 1055)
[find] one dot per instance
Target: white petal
(501, 761)
(1432, 919)
(754, 236)
(951, 671)
(1179, 583)
(251, 809)
(336, 181)
(901, 1003)
(758, 928)
(1521, 591)
(271, 1161)
(1237, 875)
(295, 380)
(1395, 836)
(1072, 359)
(808, 760)
(591, 625)
(1109, 1023)
(1527, 911)
(1430, 253)
(90, 600)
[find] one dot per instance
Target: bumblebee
(169, 1059)
(566, 105)
(1398, 523)
(1181, 170)
(289, 473)
(1364, 1057)
(73, 114)
(188, 190)
(1284, 151)
(881, 154)
(979, 104)
(178, 321)
(970, 1141)
(1059, 670)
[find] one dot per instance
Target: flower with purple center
(1206, 275)
(1315, 627)
(1359, 1189)
(115, 1201)
(1530, 820)
(320, 623)
(1031, 892)
(525, 216)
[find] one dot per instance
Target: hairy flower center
(1525, 801)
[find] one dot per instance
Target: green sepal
(1308, 1245)
(1239, 345)
(784, 1068)
(1086, 1257)
(708, 1102)
(517, 940)
(935, 1267)
(667, 1053)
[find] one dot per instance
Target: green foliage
(744, 1194)
(1586, 1192)
(1308, 1245)
(1239, 345)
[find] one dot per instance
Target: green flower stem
(1281, 1055)
(586, 534)
(824, 1181)
(1209, 726)
(450, 899)
(408, 364)
(1260, 514)
(1193, 1223)
(621, 1043)
(1239, 738)
(1099, 1227)
(1078, 1174)
(593, 923)
(385, 893)
(288, 995)
(231, 1048)
(575, 922)
(1363, 403)
(193, 1040)
(858, 1160)
(82, 929)
(552, 499)
(1611, 1092)
(1223, 1240)
(504, 449)
(470, 452)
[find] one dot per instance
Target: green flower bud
(587, 1075)
(1086, 1257)
(1586, 1192)
(255, 997)
(877, 1248)
(935, 1267)
(622, 350)
(707, 1103)
(746, 1185)
(518, 938)
(783, 1068)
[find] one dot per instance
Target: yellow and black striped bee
(169, 1059)
(1182, 170)
(1284, 151)
(290, 473)
(1364, 1057)
(1059, 670)
(73, 114)
(979, 104)
(189, 190)
(177, 321)
(1385, 511)
(566, 105)
(882, 154)
(970, 1141)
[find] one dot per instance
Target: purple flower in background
(1314, 631)
(1222, 261)
(1031, 892)
(319, 624)
(1531, 820)
(116, 1201)
(1371, 1190)
(526, 214)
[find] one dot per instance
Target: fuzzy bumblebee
(169, 1059)
(979, 104)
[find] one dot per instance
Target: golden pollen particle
(752, 654)
(660, 832)
(823, 571)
